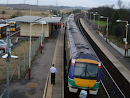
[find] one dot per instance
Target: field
(101, 23)
(10, 11)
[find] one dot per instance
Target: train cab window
(86, 70)
(12, 25)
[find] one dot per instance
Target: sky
(84, 3)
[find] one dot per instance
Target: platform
(57, 90)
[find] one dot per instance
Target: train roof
(79, 45)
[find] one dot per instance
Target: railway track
(109, 82)
(110, 75)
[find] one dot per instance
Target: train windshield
(86, 70)
(12, 25)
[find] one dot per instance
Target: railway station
(39, 86)
(36, 24)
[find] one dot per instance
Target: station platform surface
(37, 86)
(57, 90)
(121, 63)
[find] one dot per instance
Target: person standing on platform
(53, 71)
(63, 25)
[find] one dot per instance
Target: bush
(13, 16)
(43, 13)
(76, 11)
(117, 31)
(18, 13)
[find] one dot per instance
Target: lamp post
(98, 20)
(8, 55)
(29, 69)
(94, 18)
(85, 14)
(107, 26)
(90, 16)
(61, 12)
(126, 42)
(42, 22)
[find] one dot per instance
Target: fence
(23, 63)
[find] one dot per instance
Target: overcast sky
(84, 3)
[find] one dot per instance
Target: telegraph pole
(37, 2)
(56, 3)
(24, 1)
(7, 1)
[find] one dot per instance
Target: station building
(36, 25)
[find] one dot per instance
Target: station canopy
(36, 19)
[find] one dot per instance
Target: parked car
(3, 46)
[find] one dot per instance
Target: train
(3, 28)
(14, 26)
(83, 65)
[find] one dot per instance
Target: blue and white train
(84, 65)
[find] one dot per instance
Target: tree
(18, 13)
(116, 15)
(106, 11)
(54, 12)
(3, 12)
(120, 4)
(76, 11)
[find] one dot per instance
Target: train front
(85, 73)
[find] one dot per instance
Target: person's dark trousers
(53, 78)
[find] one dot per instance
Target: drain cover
(31, 85)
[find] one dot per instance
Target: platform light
(118, 20)
(42, 22)
(126, 42)
(107, 26)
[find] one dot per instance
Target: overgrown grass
(18, 51)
